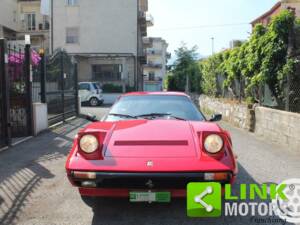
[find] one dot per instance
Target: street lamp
(212, 45)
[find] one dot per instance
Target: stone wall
(273, 125)
(237, 114)
(278, 126)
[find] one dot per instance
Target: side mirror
(216, 118)
(92, 118)
(89, 117)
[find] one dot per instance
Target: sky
(195, 22)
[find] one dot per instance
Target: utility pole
(212, 45)
(290, 54)
(51, 27)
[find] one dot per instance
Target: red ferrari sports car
(148, 148)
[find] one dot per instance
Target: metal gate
(15, 92)
(3, 96)
(20, 104)
(61, 91)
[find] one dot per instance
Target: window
(72, 35)
(152, 76)
(71, 2)
(84, 86)
(179, 106)
(106, 72)
(46, 23)
(15, 16)
(30, 21)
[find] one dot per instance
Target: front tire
(94, 102)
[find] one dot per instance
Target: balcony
(149, 79)
(149, 20)
(143, 5)
(154, 65)
(142, 56)
(147, 42)
(154, 52)
(40, 27)
(146, 19)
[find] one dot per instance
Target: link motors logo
(289, 209)
(204, 200)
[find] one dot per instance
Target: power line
(202, 26)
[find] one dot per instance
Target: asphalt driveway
(34, 188)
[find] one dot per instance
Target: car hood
(167, 145)
(152, 138)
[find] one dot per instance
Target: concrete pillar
(1, 32)
(40, 117)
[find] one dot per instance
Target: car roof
(156, 93)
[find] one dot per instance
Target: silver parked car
(91, 93)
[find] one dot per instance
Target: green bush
(262, 59)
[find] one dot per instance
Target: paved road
(34, 188)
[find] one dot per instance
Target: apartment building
(265, 18)
(32, 22)
(105, 36)
(20, 17)
(156, 68)
(8, 18)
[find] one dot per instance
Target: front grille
(147, 180)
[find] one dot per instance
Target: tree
(185, 69)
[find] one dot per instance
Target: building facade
(20, 17)
(8, 18)
(156, 68)
(265, 19)
(32, 22)
(105, 36)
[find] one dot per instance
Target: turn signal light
(216, 176)
(84, 175)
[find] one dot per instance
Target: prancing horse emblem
(149, 163)
(150, 184)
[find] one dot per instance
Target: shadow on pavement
(22, 169)
(120, 211)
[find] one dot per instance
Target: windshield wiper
(154, 115)
(122, 115)
(160, 115)
(178, 118)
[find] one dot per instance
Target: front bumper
(115, 184)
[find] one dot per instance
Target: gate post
(28, 77)
(4, 81)
(62, 83)
(43, 78)
(76, 88)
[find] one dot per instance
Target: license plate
(150, 197)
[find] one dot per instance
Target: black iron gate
(19, 60)
(3, 95)
(15, 92)
(60, 86)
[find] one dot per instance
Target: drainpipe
(51, 27)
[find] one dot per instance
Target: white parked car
(91, 93)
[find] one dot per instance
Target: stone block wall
(272, 125)
(237, 114)
(278, 126)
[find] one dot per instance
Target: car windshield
(97, 85)
(154, 106)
